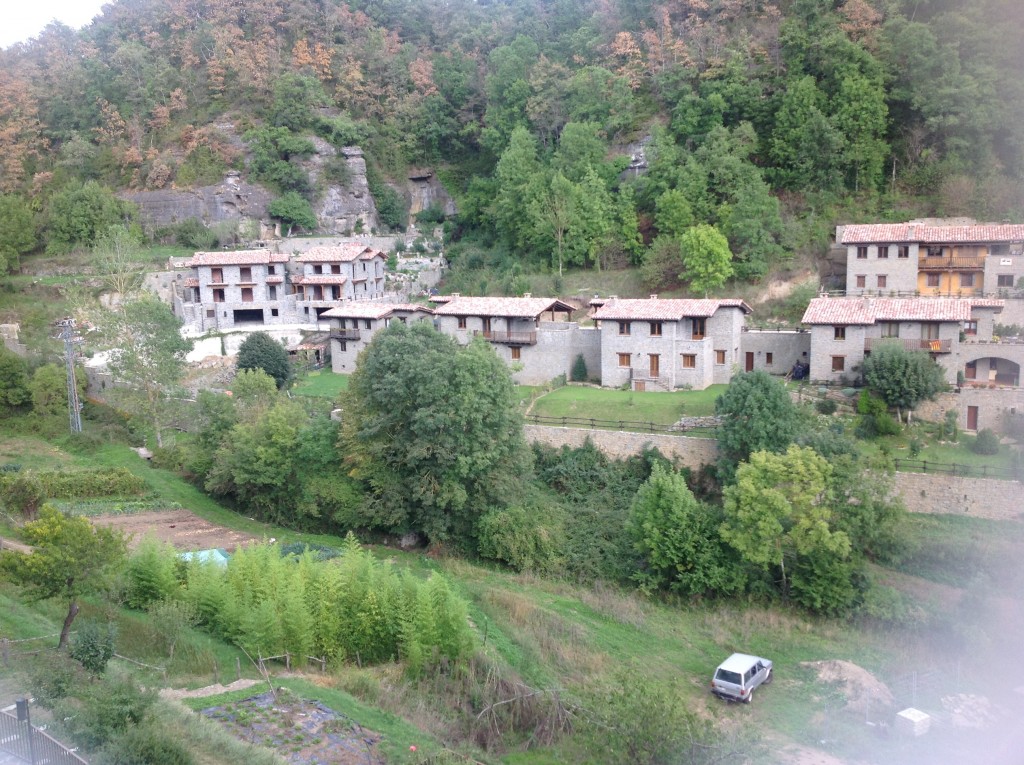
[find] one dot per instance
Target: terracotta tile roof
(514, 308)
(663, 309)
(915, 232)
(412, 307)
(868, 310)
(275, 279)
(320, 279)
(236, 258)
(359, 310)
(342, 253)
(190, 281)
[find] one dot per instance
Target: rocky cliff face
(343, 207)
(423, 191)
(232, 199)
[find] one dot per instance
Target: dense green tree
(707, 262)
(49, 389)
(757, 415)
(779, 510)
(296, 99)
(678, 539)
(275, 153)
(117, 256)
(294, 211)
(902, 378)
(673, 215)
(14, 388)
(555, 211)
(148, 356)
(70, 558)
(260, 351)
(521, 182)
(80, 213)
(805, 146)
(861, 115)
(16, 221)
(434, 431)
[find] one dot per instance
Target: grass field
(603, 403)
(321, 384)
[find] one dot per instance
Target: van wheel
(769, 677)
(749, 698)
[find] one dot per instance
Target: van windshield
(729, 677)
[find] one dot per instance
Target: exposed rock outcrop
(231, 199)
(424, 190)
(342, 207)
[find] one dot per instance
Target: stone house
(534, 336)
(353, 325)
(957, 332)
(330, 275)
(227, 289)
(664, 344)
(917, 258)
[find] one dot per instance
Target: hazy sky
(26, 18)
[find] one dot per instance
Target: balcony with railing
(509, 338)
(950, 262)
(344, 335)
(911, 344)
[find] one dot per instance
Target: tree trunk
(66, 629)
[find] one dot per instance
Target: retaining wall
(691, 452)
(954, 495)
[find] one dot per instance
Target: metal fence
(35, 747)
(627, 425)
(952, 468)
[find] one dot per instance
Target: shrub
(579, 369)
(52, 677)
(83, 484)
(987, 442)
(23, 494)
(526, 539)
(915, 446)
(150, 574)
(826, 406)
(145, 745)
(109, 710)
(93, 645)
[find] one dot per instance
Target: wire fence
(627, 425)
(953, 468)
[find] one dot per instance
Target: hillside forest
(570, 134)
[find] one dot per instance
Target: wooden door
(639, 386)
(972, 418)
(749, 366)
(655, 365)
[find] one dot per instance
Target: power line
(67, 334)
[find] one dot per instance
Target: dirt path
(181, 528)
(209, 690)
(10, 544)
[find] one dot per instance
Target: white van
(738, 676)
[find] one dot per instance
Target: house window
(623, 327)
(272, 292)
(929, 331)
(890, 329)
(623, 359)
(218, 296)
(699, 328)
(210, 313)
(366, 323)
(364, 268)
(933, 280)
(883, 251)
(217, 275)
(719, 358)
(336, 268)
(971, 370)
(862, 253)
(271, 270)
(840, 333)
(862, 281)
(768, 358)
(246, 294)
(1004, 280)
(655, 329)
(934, 252)
(487, 324)
(517, 353)
(689, 361)
(245, 274)
(342, 346)
(273, 312)
(903, 251)
(881, 281)
(838, 363)
(318, 269)
(462, 322)
(966, 280)
(970, 328)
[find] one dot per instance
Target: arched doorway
(992, 370)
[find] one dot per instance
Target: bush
(261, 351)
(110, 709)
(93, 645)
(987, 442)
(145, 745)
(826, 406)
(52, 677)
(22, 494)
(579, 369)
(83, 484)
(150, 574)
(526, 539)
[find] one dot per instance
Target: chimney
(456, 294)
(654, 297)
(527, 294)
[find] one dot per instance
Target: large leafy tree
(260, 351)
(434, 431)
(757, 415)
(678, 539)
(294, 211)
(707, 262)
(902, 378)
(70, 558)
(147, 357)
(19, 232)
(778, 515)
(14, 390)
(81, 213)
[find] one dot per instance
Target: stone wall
(784, 347)
(994, 406)
(954, 495)
(691, 452)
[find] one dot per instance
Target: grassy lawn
(602, 403)
(321, 384)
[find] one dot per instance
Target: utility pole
(67, 334)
